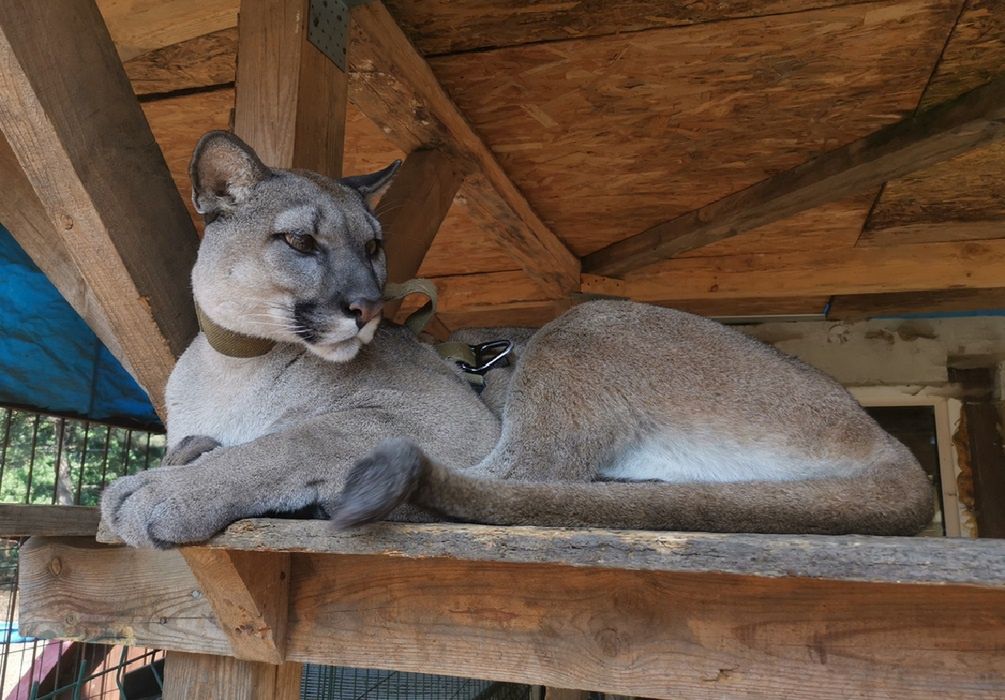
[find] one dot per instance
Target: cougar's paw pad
(378, 484)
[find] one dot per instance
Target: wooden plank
(204, 677)
(140, 26)
(987, 462)
(565, 694)
(857, 307)
(249, 594)
(847, 558)
(22, 520)
(205, 61)
(451, 26)
(933, 136)
(73, 123)
(291, 99)
(647, 633)
(969, 264)
(395, 87)
(411, 212)
(74, 588)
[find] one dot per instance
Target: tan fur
(716, 431)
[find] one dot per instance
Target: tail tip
(378, 484)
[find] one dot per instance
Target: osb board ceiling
(611, 135)
(614, 116)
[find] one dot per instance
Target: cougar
(615, 415)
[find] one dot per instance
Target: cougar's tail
(889, 497)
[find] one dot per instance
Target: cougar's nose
(365, 310)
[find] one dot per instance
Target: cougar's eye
(373, 246)
(301, 242)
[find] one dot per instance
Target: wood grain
(858, 307)
(71, 119)
(204, 677)
(416, 204)
(451, 26)
(23, 215)
(967, 188)
(868, 270)
(291, 99)
(177, 123)
(931, 561)
(140, 26)
(210, 59)
(26, 520)
(648, 633)
(971, 120)
(611, 135)
(393, 86)
(249, 594)
(75, 589)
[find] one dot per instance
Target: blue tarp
(49, 359)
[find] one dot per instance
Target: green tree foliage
(48, 459)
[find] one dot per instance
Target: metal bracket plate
(328, 28)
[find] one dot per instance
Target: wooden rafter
(394, 86)
(970, 264)
(856, 307)
(973, 119)
(80, 138)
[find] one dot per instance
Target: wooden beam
(204, 677)
(973, 119)
(933, 233)
(71, 119)
(23, 215)
(848, 558)
(723, 635)
(856, 307)
(249, 594)
(970, 264)
(394, 87)
(18, 520)
(412, 210)
(291, 99)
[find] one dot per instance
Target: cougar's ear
(224, 170)
(373, 185)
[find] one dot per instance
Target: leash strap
(418, 320)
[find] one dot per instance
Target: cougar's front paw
(378, 484)
(150, 510)
(189, 449)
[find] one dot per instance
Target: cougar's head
(288, 255)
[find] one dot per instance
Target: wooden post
(291, 99)
(204, 677)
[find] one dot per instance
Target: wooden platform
(665, 615)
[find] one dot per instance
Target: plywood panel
(836, 225)
(971, 187)
(611, 135)
(448, 26)
(178, 122)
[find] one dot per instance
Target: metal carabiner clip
(497, 351)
